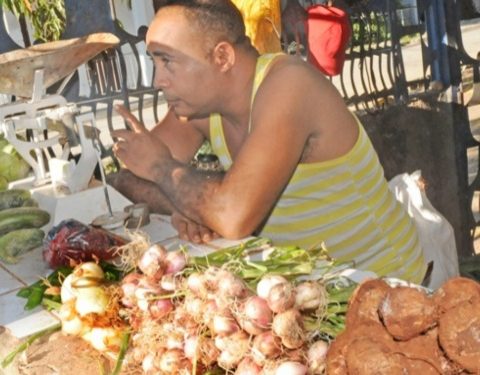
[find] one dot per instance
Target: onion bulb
(152, 262)
(288, 326)
(291, 368)
(71, 322)
(281, 297)
(268, 282)
(91, 300)
(266, 346)
(67, 292)
(256, 315)
(173, 361)
(230, 286)
(87, 274)
(175, 261)
(247, 367)
(316, 357)
(104, 339)
(309, 295)
(160, 308)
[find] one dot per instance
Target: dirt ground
(54, 355)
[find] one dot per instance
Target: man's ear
(224, 56)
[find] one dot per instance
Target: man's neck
(237, 106)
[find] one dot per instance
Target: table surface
(32, 267)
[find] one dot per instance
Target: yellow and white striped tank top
(344, 203)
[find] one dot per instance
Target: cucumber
(18, 242)
(14, 198)
(22, 217)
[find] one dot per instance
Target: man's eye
(165, 61)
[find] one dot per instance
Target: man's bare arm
(139, 190)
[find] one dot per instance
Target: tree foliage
(47, 16)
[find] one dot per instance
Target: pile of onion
(194, 321)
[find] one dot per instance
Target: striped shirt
(344, 203)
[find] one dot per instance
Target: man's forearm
(139, 190)
(190, 190)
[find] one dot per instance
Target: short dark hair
(219, 19)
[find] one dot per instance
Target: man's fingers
(131, 120)
(122, 134)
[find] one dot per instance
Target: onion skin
(159, 309)
(291, 368)
(316, 357)
(152, 262)
(310, 295)
(281, 297)
(175, 261)
(255, 316)
(247, 366)
(288, 326)
(230, 286)
(266, 346)
(267, 283)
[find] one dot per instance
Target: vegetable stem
(29, 341)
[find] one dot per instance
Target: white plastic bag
(435, 232)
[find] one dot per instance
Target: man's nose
(160, 80)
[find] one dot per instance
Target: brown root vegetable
(456, 291)
(363, 305)
(407, 312)
(459, 334)
(426, 348)
(336, 361)
(365, 356)
(337, 353)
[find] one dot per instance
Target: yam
(365, 356)
(459, 335)
(426, 348)
(407, 312)
(364, 303)
(336, 362)
(456, 291)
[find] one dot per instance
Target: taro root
(336, 361)
(426, 348)
(337, 352)
(459, 334)
(456, 291)
(363, 305)
(365, 356)
(407, 312)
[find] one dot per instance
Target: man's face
(183, 69)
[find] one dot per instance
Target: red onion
(288, 326)
(310, 295)
(256, 315)
(230, 286)
(175, 261)
(224, 324)
(248, 367)
(159, 309)
(281, 297)
(169, 282)
(267, 282)
(266, 346)
(151, 262)
(316, 356)
(172, 361)
(196, 282)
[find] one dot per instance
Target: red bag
(328, 33)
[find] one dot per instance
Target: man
(299, 167)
